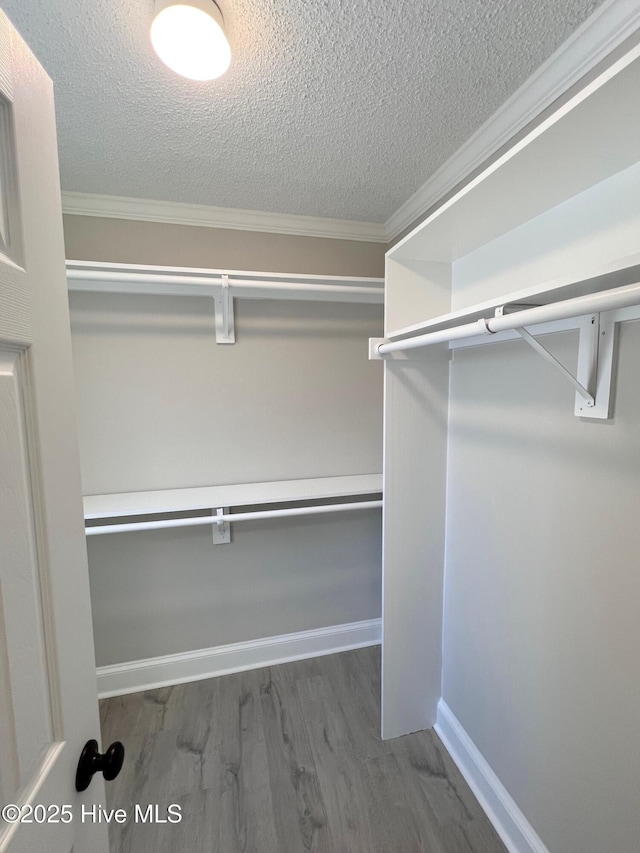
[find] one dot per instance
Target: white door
(48, 705)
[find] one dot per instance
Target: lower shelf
(220, 499)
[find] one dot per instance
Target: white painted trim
(176, 213)
(598, 37)
(509, 822)
(146, 674)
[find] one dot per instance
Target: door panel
(48, 696)
(23, 645)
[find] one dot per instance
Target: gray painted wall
(89, 238)
(160, 405)
(542, 622)
(171, 591)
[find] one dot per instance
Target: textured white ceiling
(338, 108)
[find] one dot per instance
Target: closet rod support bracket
(582, 390)
(221, 529)
(592, 382)
(374, 343)
(223, 305)
(595, 364)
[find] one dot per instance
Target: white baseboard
(138, 675)
(509, 822)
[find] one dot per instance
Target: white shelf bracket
(595, 364)
(223, 303)
(592, 382)
(546, 355)
(221, 529)
(513, 308)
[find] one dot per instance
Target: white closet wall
(542, 590)
(530, 525)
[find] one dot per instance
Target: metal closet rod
(606, 300)
(153, 284)
(229, 517)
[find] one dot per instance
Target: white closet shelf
(223, 286)
(610, 275)
(246, 494)
(95, 277)
(590, 135)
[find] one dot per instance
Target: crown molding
(177, 213)
(607, 29)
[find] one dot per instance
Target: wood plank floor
(286, 760)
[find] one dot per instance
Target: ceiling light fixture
(188, 36)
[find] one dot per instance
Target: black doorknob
(92, 762)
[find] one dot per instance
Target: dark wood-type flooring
(286, 759)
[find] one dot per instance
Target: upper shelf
(188, 281)
(607, 276)
(555, 215)
(585, 138)
(246, 494)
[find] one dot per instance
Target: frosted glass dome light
(188, 36)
